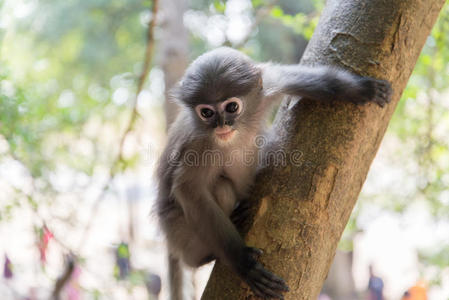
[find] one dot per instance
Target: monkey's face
(221, 117)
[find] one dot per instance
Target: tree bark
(174, 50)
(302, 206)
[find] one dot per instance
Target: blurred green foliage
(65, 60)
(301, 23)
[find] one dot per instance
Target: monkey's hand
(263, 283)
(370, 90)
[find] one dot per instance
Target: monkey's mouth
(224, 133)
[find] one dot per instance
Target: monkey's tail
(175, 278)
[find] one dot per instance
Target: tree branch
(64, 278)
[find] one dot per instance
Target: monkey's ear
(174, 95)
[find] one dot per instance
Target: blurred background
(81, 126)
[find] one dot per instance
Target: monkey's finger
(380, 103)
(275, 286)
(384, 97)
(278, 280)
(255, 252)
(268, 293)
(383, 94)
(380, 100)
(256, 290)
(270, 275)
(385, 90)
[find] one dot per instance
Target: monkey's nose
(220, 121)
(228, 122)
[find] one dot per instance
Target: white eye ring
(223, 105)
(200, 107)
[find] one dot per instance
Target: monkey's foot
(262, 282)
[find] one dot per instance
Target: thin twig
(33, 208)
(65, 277)
(260, 15)
(130, 125)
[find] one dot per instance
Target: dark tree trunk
(302, 207)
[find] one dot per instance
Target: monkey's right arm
(323, 83)
(213, 227)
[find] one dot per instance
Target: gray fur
(196, 198)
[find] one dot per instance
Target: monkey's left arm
(323, 83)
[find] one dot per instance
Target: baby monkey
(224, 98)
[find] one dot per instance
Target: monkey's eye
(207, 113)
(232, 107)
